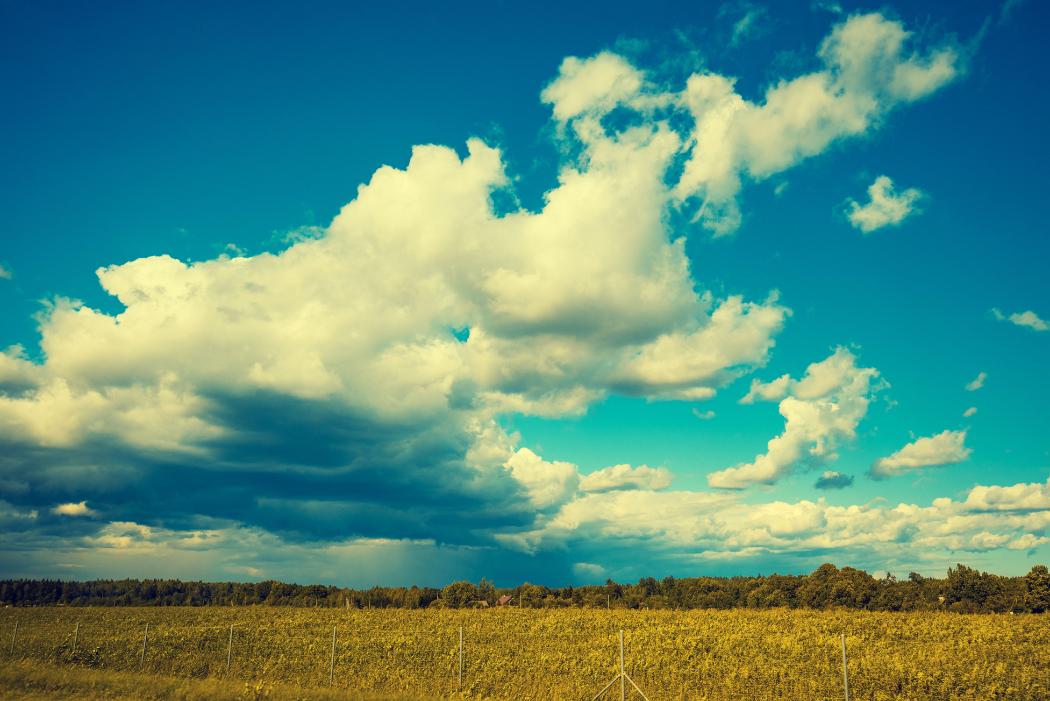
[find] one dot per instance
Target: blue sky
(362, 295)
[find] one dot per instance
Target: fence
(532, 654)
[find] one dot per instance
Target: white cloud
(970, 412)
(977, 382)
(767, 391)
(588, 571)
(945, 448)
(885, 206)
(866, 73)
(1025, 318)
(592, 85)
(361, 316)
(704, 415)
(1028, 541)
(725, 526)
(626, 477)
(5, 272)
(546, 483)
(79, 508)
(1018, 497)
(821, 411)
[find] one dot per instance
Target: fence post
(76, 635)
(623, 676)
(460, 685)
(331, 666)
(14, 634)
(229, 651)
(845, 673)
(142, 655)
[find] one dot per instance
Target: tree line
(963, 589)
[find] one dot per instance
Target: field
(529, 654)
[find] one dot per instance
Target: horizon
(533, 292)
(501, 586)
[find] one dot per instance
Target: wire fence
(554, 655)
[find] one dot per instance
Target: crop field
(550, 654)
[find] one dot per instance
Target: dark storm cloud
(834, 480)
(305, 469)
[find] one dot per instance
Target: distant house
(503, 600)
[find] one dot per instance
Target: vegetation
(963, 590)
(33, 681)
(512, 653)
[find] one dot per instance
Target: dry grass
(522, 654)
(36, 681)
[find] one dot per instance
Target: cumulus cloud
(885, 206)
(626, 477)
(319, 389)
(704, 415)
(5, 272)
(977, 382)
(970, 412)
(593, 85)
(945, 448)
(546, 483)
(820, 412)
(1026, 318)
(830, 479)
(1019, 497)
(79, 508)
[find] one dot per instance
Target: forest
(963, 589)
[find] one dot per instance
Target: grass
(519, 655)
(35, 681)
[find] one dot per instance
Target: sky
(524, 291)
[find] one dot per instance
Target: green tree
(1037, 590)
(486, 592)
(459, 594)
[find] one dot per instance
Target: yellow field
(554, 654)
